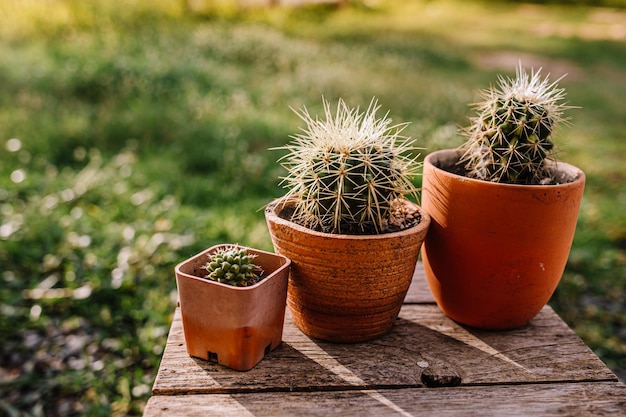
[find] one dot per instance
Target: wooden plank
(563, 399)
(545, 350)
(543, 369)
(419, 293)
(177, 366)
(423, 348)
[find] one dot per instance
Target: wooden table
(427, 365)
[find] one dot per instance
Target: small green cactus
(349, 172)
(233, 266)
(511, 135)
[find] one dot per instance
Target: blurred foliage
(128, 129)
(598, 3)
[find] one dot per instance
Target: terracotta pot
(233, 326)
(495, 253)
(345, 288)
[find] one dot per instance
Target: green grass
(143, 135)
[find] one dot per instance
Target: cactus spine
(511, 135)
(233, 266)
(349, 172)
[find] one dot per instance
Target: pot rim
(272, 210)
(561, 167)
(179, 273)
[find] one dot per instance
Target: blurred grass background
(134, 134)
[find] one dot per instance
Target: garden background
(134, 134)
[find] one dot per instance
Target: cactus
(349, 172)
(511, 135)
(233, 266)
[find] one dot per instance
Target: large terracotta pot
(495, 253)
(233, 326)
(345, 288)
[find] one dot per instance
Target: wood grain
(563, 399)
(422, 339)
(426, 365)
(419, 293)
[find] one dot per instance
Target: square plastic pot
(233, 326)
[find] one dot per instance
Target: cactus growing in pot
(503, 211)
(225, 321)
(233, 265)
(511, 135)
(348, 176)
(349, 173)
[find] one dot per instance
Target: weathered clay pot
(233, 326)
(495, 253)
(345, 288)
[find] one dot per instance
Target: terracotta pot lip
(286, 264)
(457, 152)
(272, 209)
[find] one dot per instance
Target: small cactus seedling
(349, 172)
(511, 135)
(233, 266)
